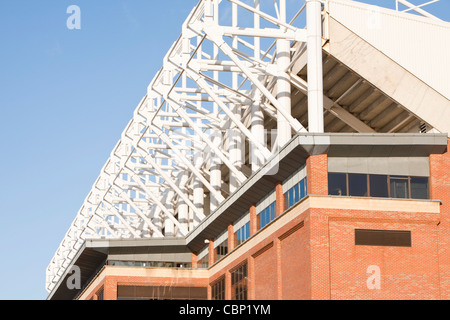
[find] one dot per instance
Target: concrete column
(169, 227)
(215, 171)
(257, 115)
(315, 69)
(183, 209)
(235, 138)
(283, 84)
(199, 196)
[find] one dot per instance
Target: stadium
(286, 150)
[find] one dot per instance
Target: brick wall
(317, 174)
(440, 189)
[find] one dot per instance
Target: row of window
(341, 184)
(295, 194)
(242, 234)
(222, 250)
(239, 285)
(149, 264)
(267, 215)
(378, 186)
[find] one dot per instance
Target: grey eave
(94, 252)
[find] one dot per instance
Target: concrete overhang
(93, 254)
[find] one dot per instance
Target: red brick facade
(311, 254)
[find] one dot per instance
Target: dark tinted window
(378, 186)
(218, 290)
(239, 283)
(337, 184)
(393, 238)
(399, 187)
(419, 188)
(357, 185)
(222, 250)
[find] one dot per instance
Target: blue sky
(65, 97)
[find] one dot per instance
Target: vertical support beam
(317, 174)
(277, 244)
(110, 289)
(257, 115)
(169, 227)
(228, 293)
(211, 255)
(251, 278)
(194, 261)
(235, 139)
(253, 220)
(280, 205)
(231, 243)
(315, 70)
(199, 196)
(183, 209)
(283, 83)
(215, 172)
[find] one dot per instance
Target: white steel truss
(199, 132)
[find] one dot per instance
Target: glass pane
(262, 219)
(378, 186)
(302, 189)
(247, 231)
(337, 184)
(291, 198)
(296, 193)
(357, 185)
(399, 187)
(286, 195)
(272, 211)
(419, 188)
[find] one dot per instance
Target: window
(204, 262)
(242, 234)
(419, 188)
(337, 184)
(218, 290)
(222, 250)
(399, 187)
(295, 194)
(266, 216)
(392, 238)
(378, 186)
(357, 185)
(239, 283)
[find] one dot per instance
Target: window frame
(239, 285)
(388, 181)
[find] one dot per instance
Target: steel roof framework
(199, 132)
